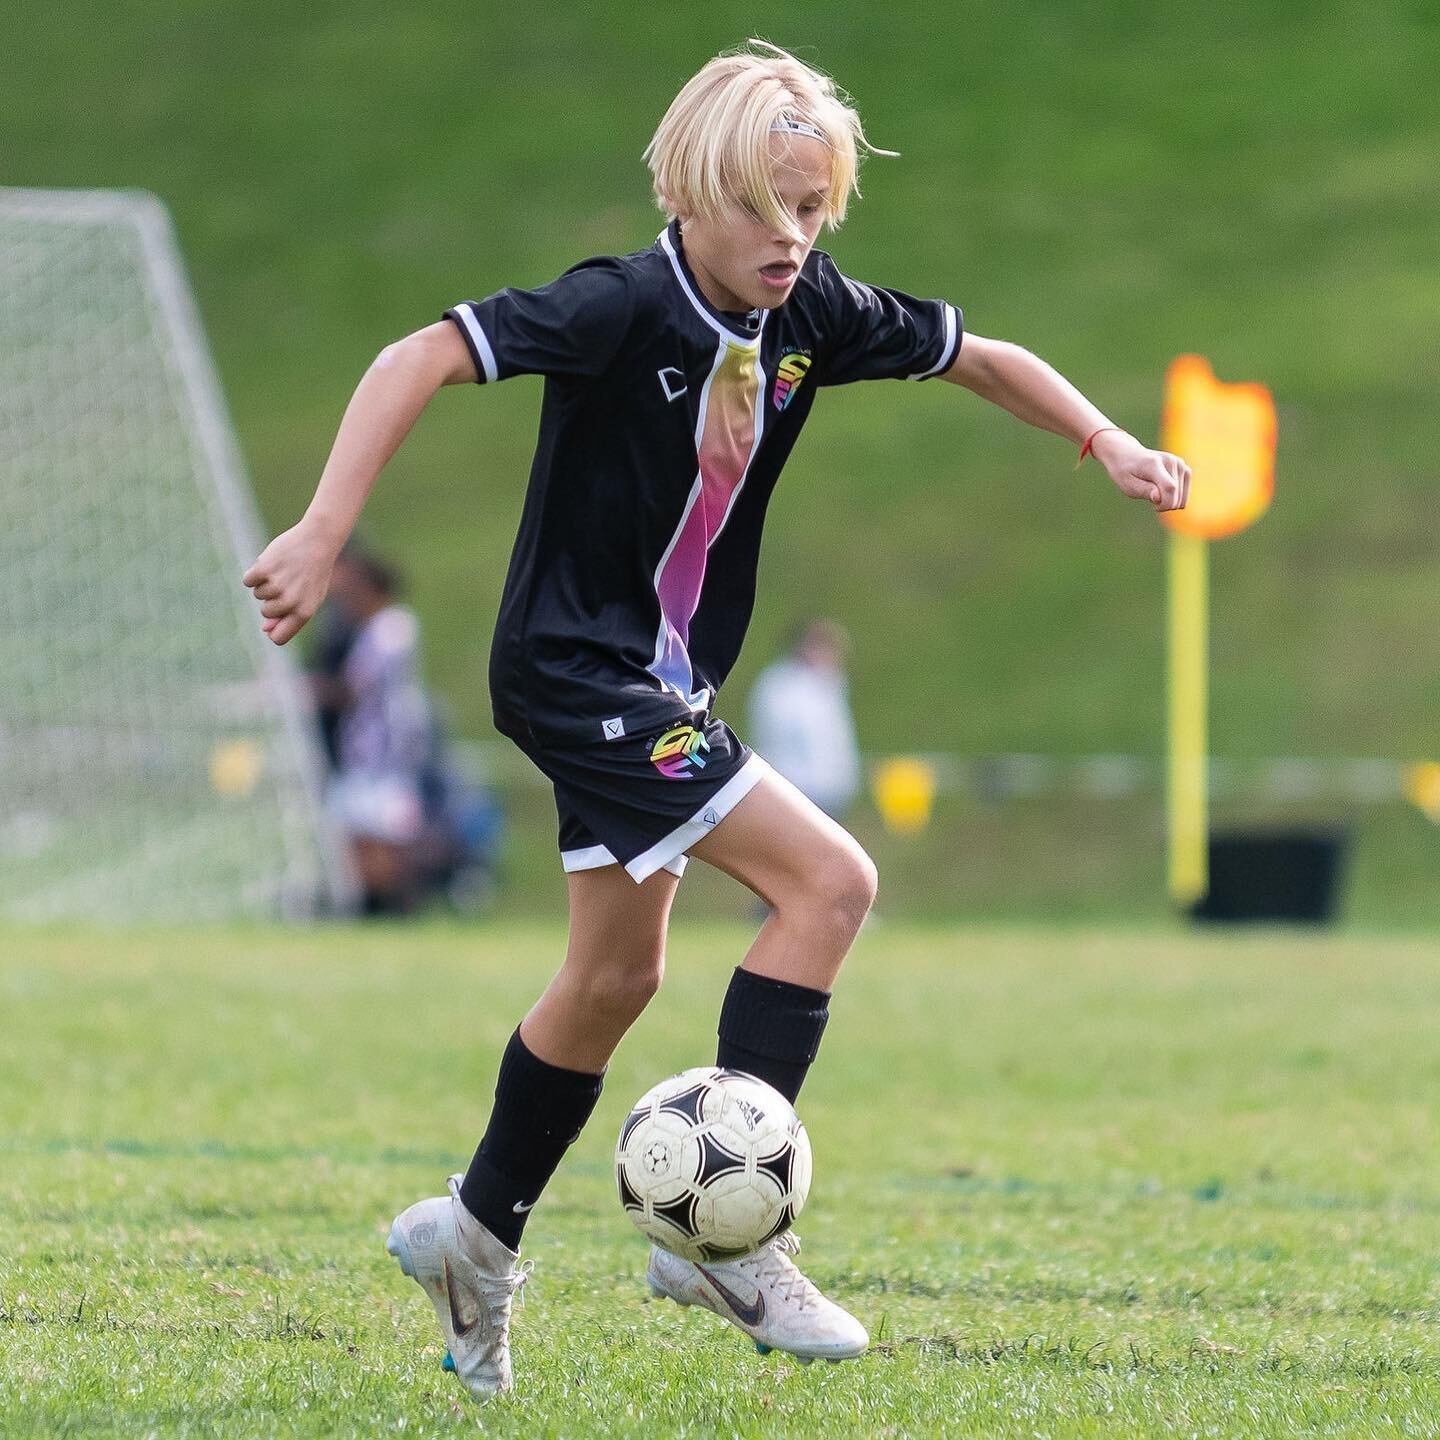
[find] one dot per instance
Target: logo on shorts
(678, 753)
(788, 375)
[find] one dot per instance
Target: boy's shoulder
(636, 282)
(637, 268)
(822, 275)
(820, 293)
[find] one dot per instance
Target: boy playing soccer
(677, 380)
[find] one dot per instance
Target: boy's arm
(1030, 389)
(292, 574)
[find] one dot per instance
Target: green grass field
(1076, 1183)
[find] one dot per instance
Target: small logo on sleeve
(679, 752)
(788, 376)
(614, 729)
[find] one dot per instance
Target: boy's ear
(671, 208)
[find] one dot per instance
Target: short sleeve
(572, 326)
(879, 334)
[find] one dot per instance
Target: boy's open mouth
(782, 272)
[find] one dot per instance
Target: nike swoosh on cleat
(461, 1327)
(751, 1314)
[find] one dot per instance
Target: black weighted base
(1290, 875)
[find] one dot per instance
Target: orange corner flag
(1227, 435)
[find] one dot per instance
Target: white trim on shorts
(660, 855)
(592, 857)
(669, 853)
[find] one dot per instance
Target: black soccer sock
(540, 1110)
(771, 1029)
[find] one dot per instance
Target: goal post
(158, 759)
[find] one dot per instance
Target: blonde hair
(712, 149)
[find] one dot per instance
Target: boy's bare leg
(552, 1069)
(462, 1248)
(613, 966)
(819, 884)
(813, 874)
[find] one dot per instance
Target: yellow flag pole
(1187, 780)
(1227, 433)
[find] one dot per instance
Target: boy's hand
(290, 580)
(1143, 474)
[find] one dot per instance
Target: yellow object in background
(904, 791)
(235, 767)
(1226, 433)
(1187, 771)
(1422, 787)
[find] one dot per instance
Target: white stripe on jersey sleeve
(480, 350)
(947, 350)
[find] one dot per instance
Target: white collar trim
(701, 308)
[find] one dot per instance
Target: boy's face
(743, 263)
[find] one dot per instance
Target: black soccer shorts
(642, 801)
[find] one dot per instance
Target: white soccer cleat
(767, 1297)
(471, 1280)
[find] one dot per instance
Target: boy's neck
(717, 296)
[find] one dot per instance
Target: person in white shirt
(800, 717)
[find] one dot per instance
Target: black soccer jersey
(664, 427)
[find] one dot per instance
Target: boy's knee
(627, 986)
(844, 885)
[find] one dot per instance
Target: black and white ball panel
(712, 1164)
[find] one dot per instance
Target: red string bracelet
(1088, 447)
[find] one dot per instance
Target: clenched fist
(1141, 473)
(290, 580)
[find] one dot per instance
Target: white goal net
(156, 754)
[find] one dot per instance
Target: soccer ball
(712, 1164)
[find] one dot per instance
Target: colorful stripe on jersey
(727, 436)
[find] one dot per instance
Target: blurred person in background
(383, 730)
(418, 824)
(336, 630)
(800, 717)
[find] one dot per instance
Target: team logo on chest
(788, 376)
